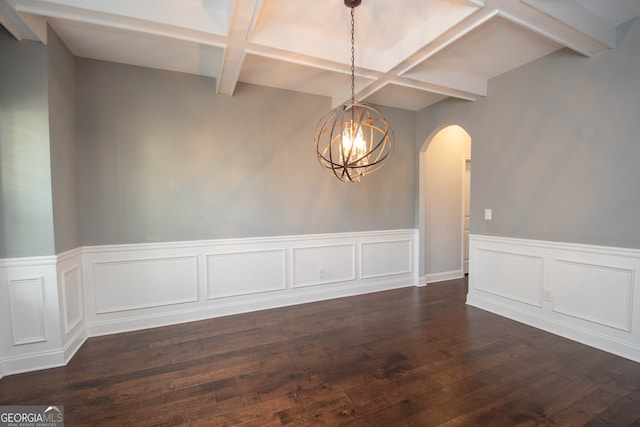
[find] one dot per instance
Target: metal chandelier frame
(354, 139)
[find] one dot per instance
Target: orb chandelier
(354, 139)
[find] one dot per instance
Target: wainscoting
(50, 305)
(41, 311)
(585, 293)
(54, 303)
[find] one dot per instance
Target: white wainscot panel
(597, 293)
(242, 273)
(323, 264)
(386, 258)
(518, 277)
(135, 284)
(26, 302)
(72, 299)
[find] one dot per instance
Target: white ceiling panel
(146, 50)
(615, 12)
(483, 54)
(274, 72)
(292, 76)
(409, 54)
(404, 97)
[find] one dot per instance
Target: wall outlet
(321, 274)
(547, 295)
(488, 214)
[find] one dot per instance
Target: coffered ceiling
(409, 53)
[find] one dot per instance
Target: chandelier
(354, 139)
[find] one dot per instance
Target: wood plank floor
(407, 357)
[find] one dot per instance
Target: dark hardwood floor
(407, 357)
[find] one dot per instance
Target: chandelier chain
(353, 58)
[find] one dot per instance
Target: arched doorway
(444, 194)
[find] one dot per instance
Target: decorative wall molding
(238, 275)
(72, 299)
(311, 264)
(54, 303)
(244, 273)
(29, 262)
(386, 258)
(585, 293)
(26, 307)
(516, 276)
(582, 292)
(129, 284)
(29, 313)
(597, 283)
(71, 303)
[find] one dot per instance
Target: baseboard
(138, 321)
(585, 293)
(74, 343)
(443, 276)
(45, 359)
(624, 349)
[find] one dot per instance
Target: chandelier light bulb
(354, 147)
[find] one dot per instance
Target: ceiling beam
(14, 22)
(562, 22)
(578, 17)
(243, 21)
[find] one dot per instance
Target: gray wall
(26, 218)
(161, 157)
(62, 120)
(556, 149)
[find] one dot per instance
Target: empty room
(341, 212)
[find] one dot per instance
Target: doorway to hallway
(444, 202)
